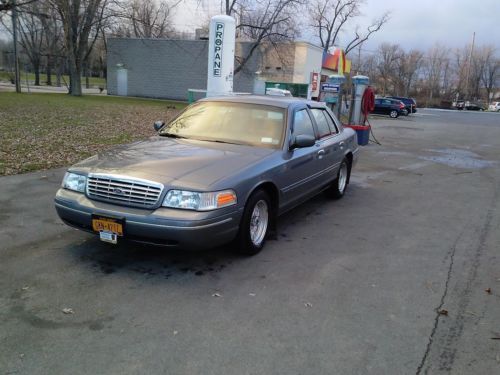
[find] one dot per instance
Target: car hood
(175, 162)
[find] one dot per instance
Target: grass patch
(7, 76)
(42, 131)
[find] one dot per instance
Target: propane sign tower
(221, 43)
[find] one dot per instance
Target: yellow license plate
(108, 225)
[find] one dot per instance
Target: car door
(378, 106)
(301, 174)
(330, 141)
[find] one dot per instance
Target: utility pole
(14, 34)
(469, 66)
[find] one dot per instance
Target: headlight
(190, 200)
(73, 181)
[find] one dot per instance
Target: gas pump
(362, 102)
(331, 92)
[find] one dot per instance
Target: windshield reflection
(237, 123)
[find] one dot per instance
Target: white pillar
(221, 44)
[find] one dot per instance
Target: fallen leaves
(50, 130)
(68, 311)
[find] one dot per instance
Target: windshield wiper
(218, 141)
(172, 135)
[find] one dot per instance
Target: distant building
(161, 68)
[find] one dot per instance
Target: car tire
(339, 185)
(393, 114)
(255, 224)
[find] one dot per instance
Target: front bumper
(184, 229)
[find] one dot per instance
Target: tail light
(401, 105)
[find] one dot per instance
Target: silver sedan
(224, 170)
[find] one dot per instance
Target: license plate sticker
(108, 237)
(107, 224)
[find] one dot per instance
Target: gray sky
(413, 24)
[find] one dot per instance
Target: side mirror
(158, 125)
(303, 140)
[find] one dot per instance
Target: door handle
(321, 153)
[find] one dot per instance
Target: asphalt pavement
(401, 276)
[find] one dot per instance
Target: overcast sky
(413, 24)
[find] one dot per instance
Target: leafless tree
(6, 5)
(436, 59)
(330, 18)
(52, 44)
(407, 69)
(31, 34)
(388, 56)
(82, 22)
(490, 77)
(263, 21)
(145, 18)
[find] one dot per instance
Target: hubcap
(342, 177)
(258, 222)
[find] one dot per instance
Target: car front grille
(123, 190)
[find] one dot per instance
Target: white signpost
(221, 44)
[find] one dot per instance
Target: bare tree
(490, 76)
(82, 22)
(330, 17)
(146, 18)
(407, 68)
(388, 56)
(436, 59)
(6, 5)
(263, 21)
(31, 35)
(52, 44)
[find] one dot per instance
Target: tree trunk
(75, 75)
(59, 67)
(36, 68)
(75, 78)
(87, 81)
(49, 70)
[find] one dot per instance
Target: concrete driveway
(402, 276)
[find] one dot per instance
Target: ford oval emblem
(118, 191)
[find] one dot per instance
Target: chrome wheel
(393, 114)
(258, 222)
(342, 178)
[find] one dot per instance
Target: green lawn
(94, 81)
(41, 131)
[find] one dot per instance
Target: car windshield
(239, 123)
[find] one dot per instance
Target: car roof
(276, 101)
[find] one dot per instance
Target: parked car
(494, 106)
(391, 107)
(474, 107)
(410, 103)
(223, 170)
(470, 106)
(278, 92)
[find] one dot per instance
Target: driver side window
(302, 123)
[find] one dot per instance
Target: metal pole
(14, 34)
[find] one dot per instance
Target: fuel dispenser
(362, 103)
(331, 92)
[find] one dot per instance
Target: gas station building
(165, 68)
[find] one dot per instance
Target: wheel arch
(272, 190)
(349, 156)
